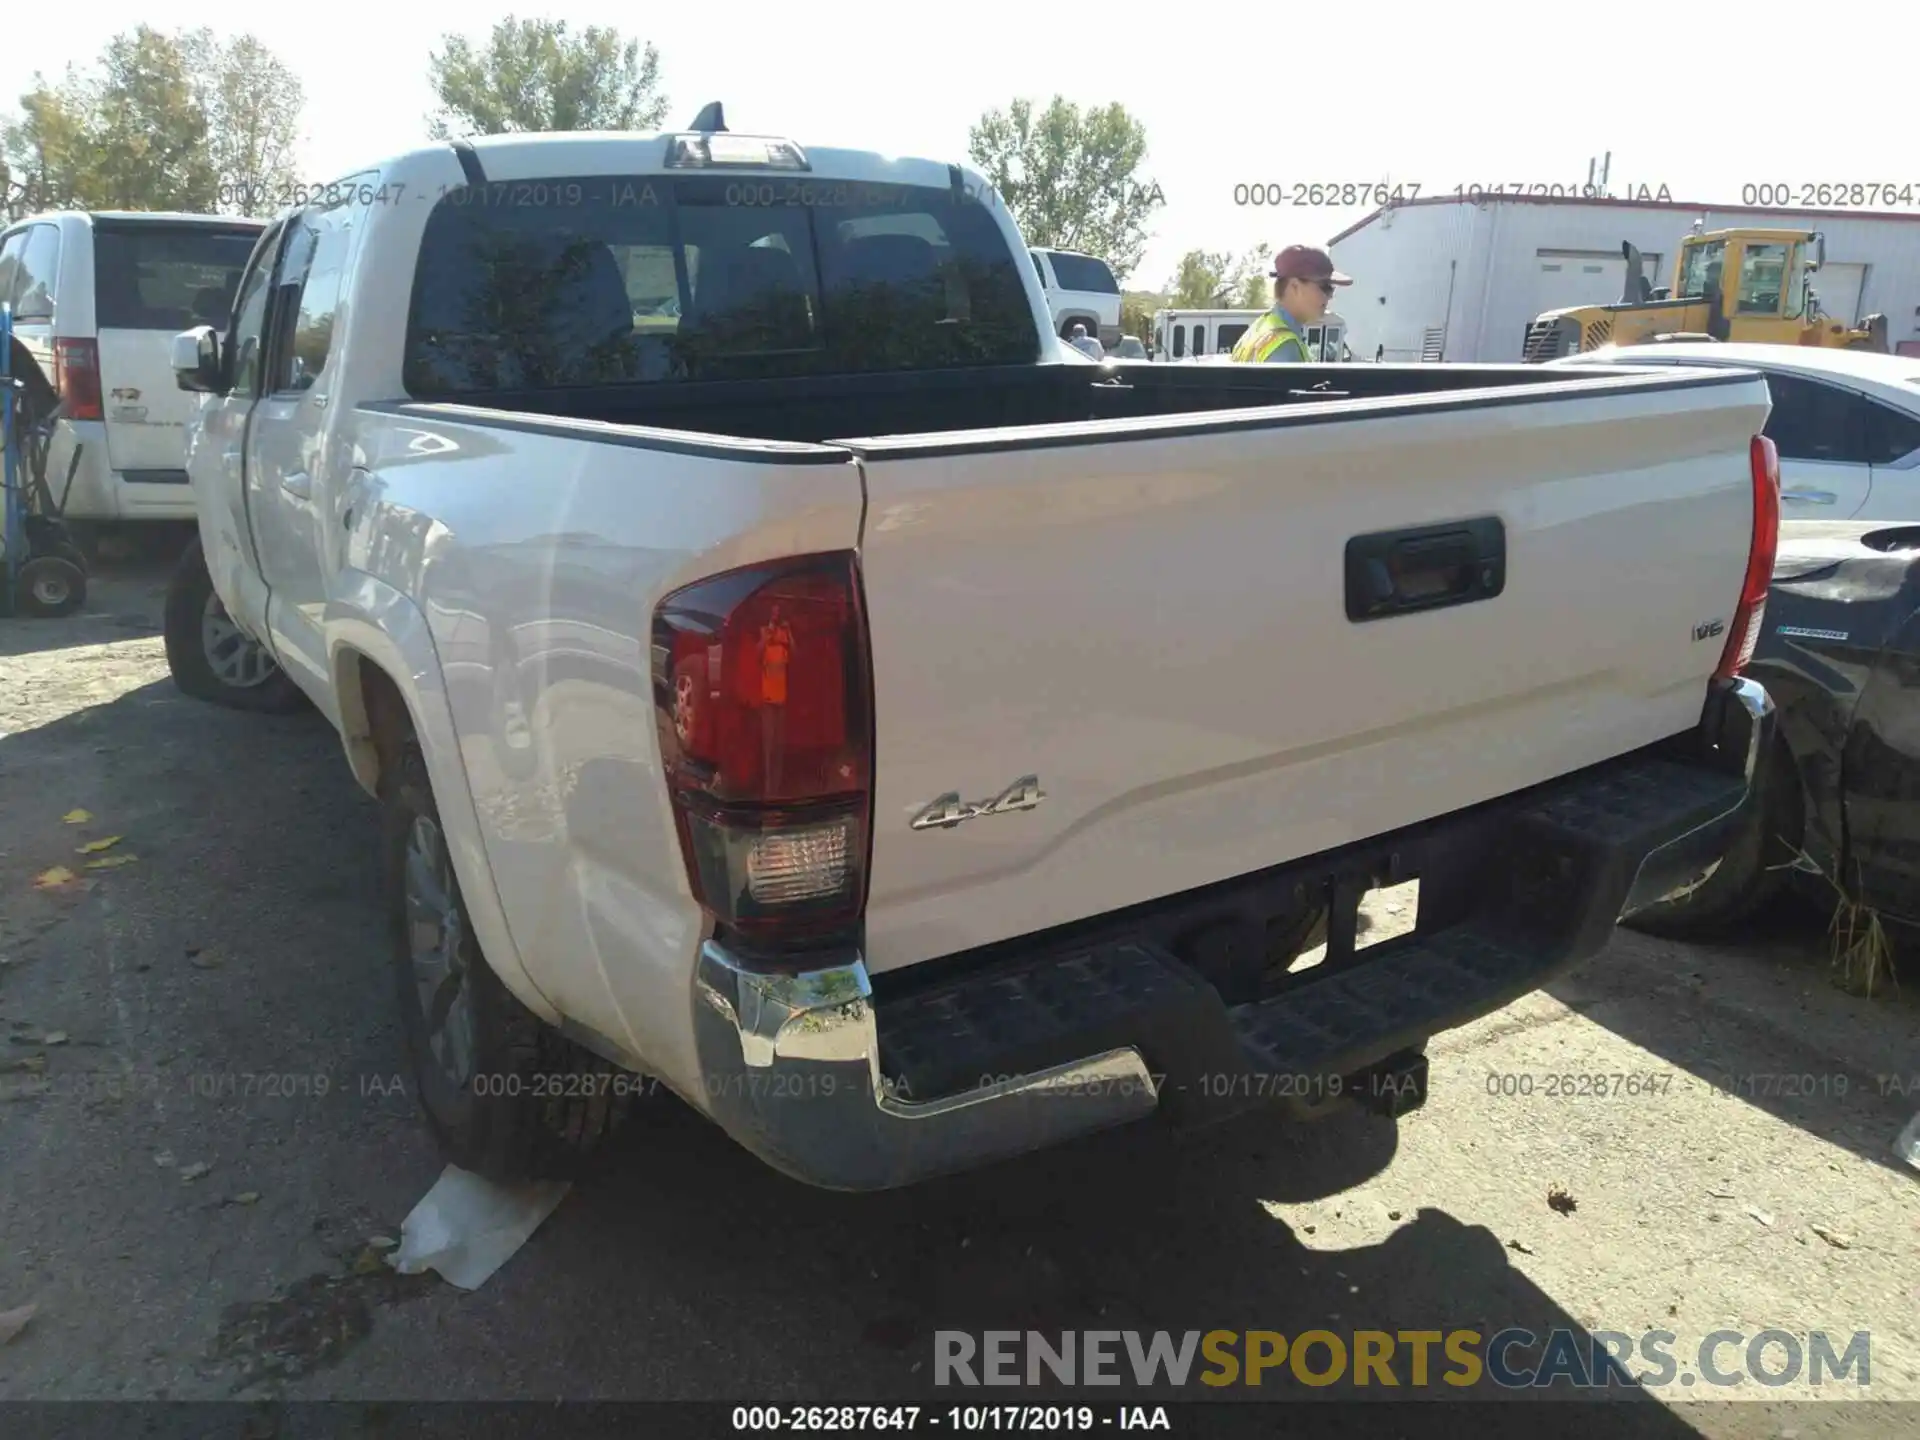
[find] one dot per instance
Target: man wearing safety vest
(1303, 282)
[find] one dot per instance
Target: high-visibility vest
(1266, 335)
(776, 648)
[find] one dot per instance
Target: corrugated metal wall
(1497, 283)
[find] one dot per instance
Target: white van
(1208, 334)
(97, 299)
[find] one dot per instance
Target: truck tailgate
(1150, 617)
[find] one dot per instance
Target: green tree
(1220, 280)
(1136, 312)
(535, 75)
(149, 129)
(1252, 288)
(161, 122)
(1203, 280)
(252, 102)
(1071, 178)
(47, 150)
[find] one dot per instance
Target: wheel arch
(387, 688)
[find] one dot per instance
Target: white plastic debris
(467, 1227)
(1907, 1147)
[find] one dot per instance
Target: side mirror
(196, 359)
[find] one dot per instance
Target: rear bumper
(101, 493)
(1022, 1049)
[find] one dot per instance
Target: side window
(1811, 421)
(320, 298)
(1179, 341)
(248, 336)
(283, 311)
(1891, 434)
(10, 263)
(37, 273)
(1199, 339)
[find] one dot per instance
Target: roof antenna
(710, 119)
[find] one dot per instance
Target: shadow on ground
(1760, 1019)
(245, 942)
(124, 599)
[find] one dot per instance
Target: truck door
(216, 449)
(287, 445)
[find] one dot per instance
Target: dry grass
(1861, 953)
(1859, 950)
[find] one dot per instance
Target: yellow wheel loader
(1740, 285)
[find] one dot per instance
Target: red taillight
(76, 378)
(1744, 633)
(762, 683)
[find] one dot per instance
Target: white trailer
(1447, 279)
(1201, 334)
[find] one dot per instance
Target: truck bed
(819, 409)
(1131, 582)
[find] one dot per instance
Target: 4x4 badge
(949, 810)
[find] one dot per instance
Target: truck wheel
(1752, 875)
(505, 1095)
(210, 657)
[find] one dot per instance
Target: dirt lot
(189, 1228)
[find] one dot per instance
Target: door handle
(298, 484)
(1811, 497)
(1392, 572)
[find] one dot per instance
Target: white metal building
(1441, 278)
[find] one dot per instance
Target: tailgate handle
(1393, 572)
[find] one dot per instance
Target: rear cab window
(577, 282)
(1083, 272)
(171, 277)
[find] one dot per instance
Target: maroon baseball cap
(1307, 262)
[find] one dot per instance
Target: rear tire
(1751, 877)
(505, 1095)
(210, 658)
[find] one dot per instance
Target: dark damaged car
(1840, 654)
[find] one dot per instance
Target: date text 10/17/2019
(1337, 194)
(966, 1418)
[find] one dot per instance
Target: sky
(1474, 92)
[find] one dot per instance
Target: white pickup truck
(789, 683)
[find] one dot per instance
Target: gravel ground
(203, 1124)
